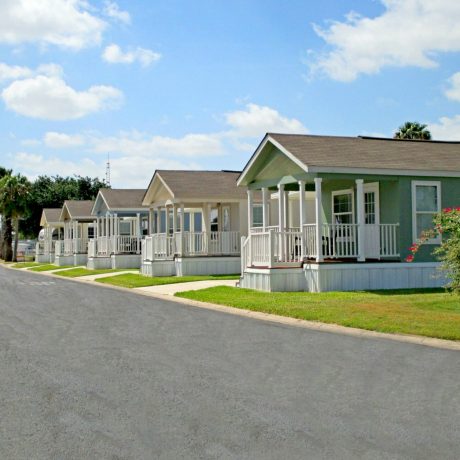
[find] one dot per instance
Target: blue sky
(181, 84)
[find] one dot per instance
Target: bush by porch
(427, 312)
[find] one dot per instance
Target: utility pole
(107, 171)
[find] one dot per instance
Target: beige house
(196, 221)
(78, 230)
(120, 221)
(51, 231)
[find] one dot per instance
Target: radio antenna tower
(107, 171)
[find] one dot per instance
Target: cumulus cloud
(114, 55)
(257, 120)
(8, 72)
(48, 97)
(453, 92)
(64, 23)
(408, 33)
(446, 129)
(63, 141)
(112, 10)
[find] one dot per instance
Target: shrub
(446, 224)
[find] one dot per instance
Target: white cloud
(453, 92)
(65, 23)
(408, 33)
(137, 144)
(112, 10)
(63, 141)
(447, 129)
(115, 55)
(8, 72)
(257, 120)
(50, 98)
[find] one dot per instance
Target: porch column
(174, 219)
(106, 225)
(281, 217)
(158, 221)
(150, 222)
(302, 215)
(287, 225)
(318, 220)
(167, 220)
(360, 218)
(139, 234)
(182, 228)
(250, 210)
(265, 222)
(96, 230)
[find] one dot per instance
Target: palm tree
(14, 192)
(413, 130)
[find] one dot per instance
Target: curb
(271, 318)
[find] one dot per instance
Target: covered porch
(316, 220)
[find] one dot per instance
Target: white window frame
(259, 206)
(348, 191)
(416, 183)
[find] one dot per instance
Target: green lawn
(79, 271)
(47, 267)
(25, 264)
(131, 280)
(432, 313)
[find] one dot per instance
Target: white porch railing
(338, 241)
(126, 244)
(92, 252)
(40, 248)
(190, 244)
(68, 247)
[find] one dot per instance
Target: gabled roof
(77, 209)
(381, 155)
(197, 185)
(118, 199)
(50, 216)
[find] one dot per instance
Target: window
(91, 232)
(342, 207)
(426, 202)
(226, 218)
(214, 220)
(197, 222)
(125, 227)
(257, 215)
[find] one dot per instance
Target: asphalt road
(93, 373)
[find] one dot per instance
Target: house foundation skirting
(125, 261)
(97, 263)
(64, 260)
(184, 266)
(44, 258)
(345, 277)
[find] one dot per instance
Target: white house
(78, 230)
(196, 220)
(51, 231)
(120, 222)
(340, 213)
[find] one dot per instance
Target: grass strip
(426, 312)
(132, 280)
(25, 264)
(48, 267)
(77, 272)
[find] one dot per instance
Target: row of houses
(307, 213)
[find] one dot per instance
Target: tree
(14, 194)
(51, 192)
(3, 172)
(413, 130)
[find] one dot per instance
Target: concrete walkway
(106, 275)
(171, 289)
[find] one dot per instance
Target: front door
(372, 221)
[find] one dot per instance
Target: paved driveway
(88, 372)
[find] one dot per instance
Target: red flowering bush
(447, 224)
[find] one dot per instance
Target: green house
(340, 213)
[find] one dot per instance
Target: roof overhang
(156, 183)
(242, 180)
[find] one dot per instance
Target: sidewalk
(171, 289)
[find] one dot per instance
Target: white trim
(382, 171)
(259, 150)
(348, 191)
(414, 185)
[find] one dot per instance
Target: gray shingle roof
(79, 208)
(51, 214)
(123, 198)
(216, 185)
(374, 153)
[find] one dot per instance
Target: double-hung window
(342, 207)
(426, 202)
(257, 215)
